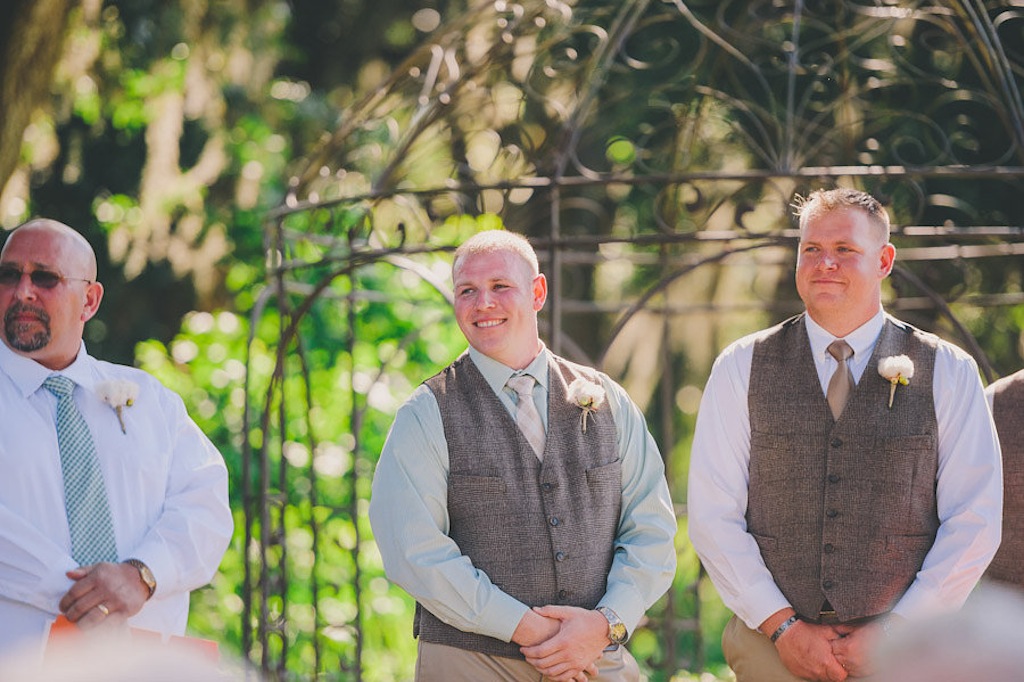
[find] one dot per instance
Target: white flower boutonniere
(896, 369)
(119, 394)
(588, 396)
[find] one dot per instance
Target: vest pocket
(909, 544)
(470, 496)
(605, 479)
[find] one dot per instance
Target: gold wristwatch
(144, 573)
(616, 628)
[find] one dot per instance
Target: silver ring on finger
(102, 608)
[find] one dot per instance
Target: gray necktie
(527, 416)
(85, 497)
(841, 384)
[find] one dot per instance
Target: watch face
(616, 628)
(144, 573)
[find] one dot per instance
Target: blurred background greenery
(172, 133)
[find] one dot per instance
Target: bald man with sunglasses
(113, 504)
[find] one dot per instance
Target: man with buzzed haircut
(113, 504)
(520, 497)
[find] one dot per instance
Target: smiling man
(520, 497)
(830, 496)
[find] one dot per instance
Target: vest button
(827, 584)
(832, 513)
(829, 548)
(559, 556)
(833, 478)
(546, 487)
(563, 594)
(836, 442)
(554, 521)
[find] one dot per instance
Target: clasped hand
(104, 594)
(563, 643)
(826, 653)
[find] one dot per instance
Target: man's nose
(24, 289)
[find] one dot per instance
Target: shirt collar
(28, 375)
(862, 339)
(497, 375)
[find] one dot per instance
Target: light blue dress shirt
(409, 514)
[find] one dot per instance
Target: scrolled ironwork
(652, 150)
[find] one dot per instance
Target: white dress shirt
(968, 486)
(409, 513)
(165, 481)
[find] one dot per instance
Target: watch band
(144, 573)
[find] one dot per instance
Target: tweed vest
(543, 533)
(841, 510)
(1008, 412)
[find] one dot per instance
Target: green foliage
(241, 91)
(401, 337)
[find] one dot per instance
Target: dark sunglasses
(10, 276)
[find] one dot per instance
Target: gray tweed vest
(543, 533)
(1008, 411)
(841, 510)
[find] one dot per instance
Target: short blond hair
(822, 201)
(493, 241)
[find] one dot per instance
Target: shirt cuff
(759, 604)
(161, 565)
(917, 603)
(627, 603)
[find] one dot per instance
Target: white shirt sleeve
(717, 500)
(969, 490)
(184, 544)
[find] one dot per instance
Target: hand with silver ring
(103, 609)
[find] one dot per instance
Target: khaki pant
(754, 658)
(439, 663)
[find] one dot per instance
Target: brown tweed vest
(543, 533)
(841, 510)
(1008, 412)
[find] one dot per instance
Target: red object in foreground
(64, 630)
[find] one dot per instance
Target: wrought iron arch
(651, 149)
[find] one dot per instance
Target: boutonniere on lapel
(119, 394)
(897, 370)
(587, 396)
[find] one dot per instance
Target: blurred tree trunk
(31, 36)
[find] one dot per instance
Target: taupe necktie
(527, 417)
(841, 384)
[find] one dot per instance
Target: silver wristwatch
(617, 633)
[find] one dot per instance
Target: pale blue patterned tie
(85, 497)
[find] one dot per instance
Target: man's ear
(93, 296)
(886, 259)
(540, 291)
